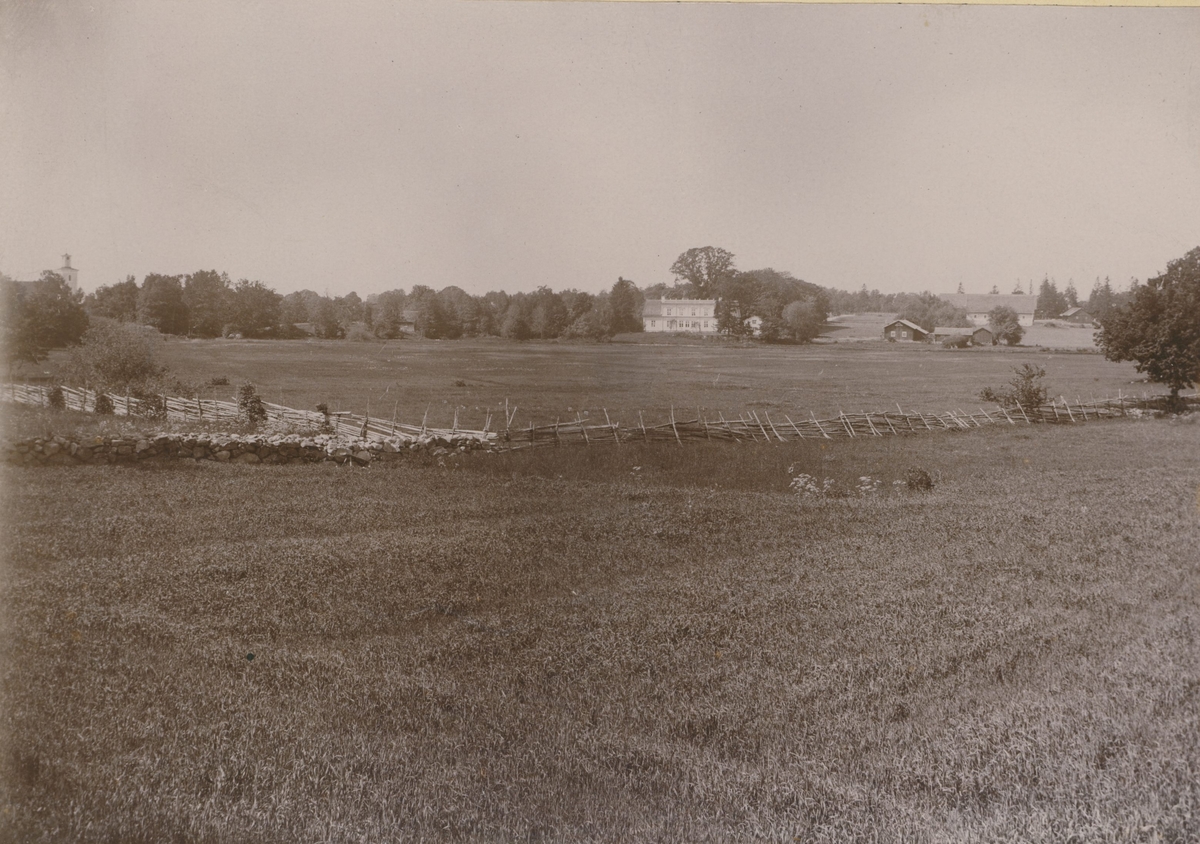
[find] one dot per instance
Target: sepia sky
(496, 145)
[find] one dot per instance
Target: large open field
(549, 380)
(634, 643)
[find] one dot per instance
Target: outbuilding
(1077, 316)
(981, 336)
(902, 329)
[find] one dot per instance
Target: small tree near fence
(250, 405)
(1024, 389)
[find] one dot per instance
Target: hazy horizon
(505, 146)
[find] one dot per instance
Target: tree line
(207, 304)
(1156, 325)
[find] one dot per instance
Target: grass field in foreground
(484, 651)
(547, 380)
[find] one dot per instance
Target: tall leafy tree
(625, 307)
(1159, 328)
(115, 301)
(160, 304)
(388, 314)
(254, 308)
(705, 268)
(323, 314)
(294, 308)
(39, 317)
(206, 295)
(1005, 325)
(802, 320)
(548, 316)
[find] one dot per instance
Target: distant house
(981, 336)
(1077, 316)
(754, 323)
(697, 316)
(979, 305)
(902, 329)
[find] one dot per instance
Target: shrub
(56, 399)
(1024, 389)
(957, 341)
(219, 381)
(116, 356)
(250, 405)
(918, 480)
(153, 405)
(104, 405)
(323, 409)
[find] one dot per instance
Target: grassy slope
(487, 651)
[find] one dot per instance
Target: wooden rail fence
(747, 427)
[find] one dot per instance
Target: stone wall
(228, 448)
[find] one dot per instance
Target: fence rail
(747, 427)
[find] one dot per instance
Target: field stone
(51, 448)
(249, 457)
(124, 449)
(363, 457)
(222, 456)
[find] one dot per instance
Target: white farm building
(979, 305)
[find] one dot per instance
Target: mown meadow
(615, 644)
(548, 380)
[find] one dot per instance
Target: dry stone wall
(227, 448)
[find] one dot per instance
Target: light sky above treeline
(502, 146)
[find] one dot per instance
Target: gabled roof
(1070, 312)
(911, 325)
(982, 303)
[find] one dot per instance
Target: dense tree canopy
(116, 357)
(160, 304)
(115, 301)
(1050, 303)
(1159, 328)
(930, 311)
(705, 269)
(40, 316)
(206, 295)
(1005, 325)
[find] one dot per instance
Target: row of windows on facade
(682, 323)
(668, 312)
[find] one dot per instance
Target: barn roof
(981, 303)
(912, 325)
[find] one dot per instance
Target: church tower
(69, 273)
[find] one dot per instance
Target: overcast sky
(495, 145)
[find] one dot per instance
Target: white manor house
(695, 315)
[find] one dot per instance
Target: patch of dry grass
(486, 651)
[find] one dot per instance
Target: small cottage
(903, 330)
(983, 337)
